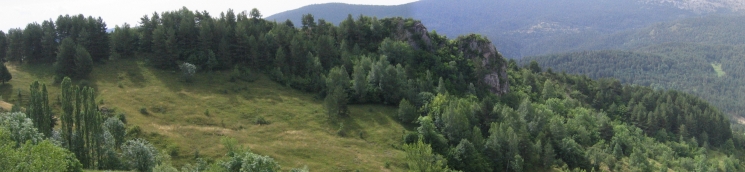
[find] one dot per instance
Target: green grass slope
(187, 117)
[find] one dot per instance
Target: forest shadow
(40, 70)
(7, 93)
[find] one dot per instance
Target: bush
(187, 71)
(139, 155)
(261, 121)
(143, 110)
(406, 112)
(20, 127)
(116, 128)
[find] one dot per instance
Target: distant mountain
(702, 6)
(521, 27)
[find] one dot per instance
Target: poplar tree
(81, 123)
(38, 109)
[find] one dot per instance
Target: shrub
(187, 71)
(143, 110)
(139, 155)
(341, 132)
(261, 121)
(406, 112)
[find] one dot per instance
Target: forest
(708, 71)
(467, 108)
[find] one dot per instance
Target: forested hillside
(712, 72)
(708, 30)
(462, 105)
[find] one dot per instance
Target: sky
(18, 13)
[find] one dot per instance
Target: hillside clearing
(188, 119)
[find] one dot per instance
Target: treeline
(708, 71)
(75, 42)
(247, 44)
(388, 58)
(558, 121)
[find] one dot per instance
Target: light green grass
(298, 135)
(718, 69)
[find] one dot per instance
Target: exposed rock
(414, 33)
(491, 66)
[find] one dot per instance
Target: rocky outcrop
(491, 67)
(414, 33)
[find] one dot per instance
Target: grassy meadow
(188, 119)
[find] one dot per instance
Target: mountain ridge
(517, 28)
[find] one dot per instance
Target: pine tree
(14, 50)
(3, 45)
(32, 47)
(48, 41)
(66, 58)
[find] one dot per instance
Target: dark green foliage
(164, 48)
(3, 45)
(124, 41)
(83, 63)
(466, 157)
(88, 32)
(49, 41)
(81, 123)
(73, 60)
(5, 75)
(39, 110)
(15, 46)
(32, 46)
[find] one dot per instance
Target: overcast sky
(18, 13)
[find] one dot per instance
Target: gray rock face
(408, 34)
(491, 66)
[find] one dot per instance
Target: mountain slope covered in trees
(518, 28)
(461, 105)
(708, 30)
(707, 70)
